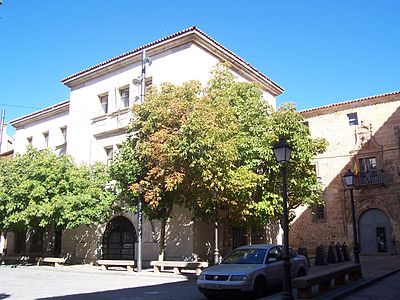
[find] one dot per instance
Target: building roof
(347, 104)
(192, 34)
(45, 112)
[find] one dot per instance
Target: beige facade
(92, 124)
(363, 136)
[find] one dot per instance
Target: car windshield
(245, 256)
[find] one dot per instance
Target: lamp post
(282, 153)
(348, 179)
(146, 61)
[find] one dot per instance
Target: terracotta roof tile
(190, 29)
(348, 102)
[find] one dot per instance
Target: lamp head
(348, 178)
(282, 150)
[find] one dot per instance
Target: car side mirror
(272, 259)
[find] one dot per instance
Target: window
(110, 154)
(276, 253)
(104, 103)
(353, 119)
(46, 139)
(318, 212)
(124, 93)
(64, 133)
(368, 171)
(30, 139)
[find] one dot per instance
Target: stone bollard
(331, 254)
(338, 253)
(346, 253)
(320, 257)
(303, 251)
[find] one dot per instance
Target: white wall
(36, 129)
(178, 65)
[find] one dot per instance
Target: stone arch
(375, 232)
(119, 239)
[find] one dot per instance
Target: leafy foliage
(212, 147)
(40, 189)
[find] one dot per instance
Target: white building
(91, 124)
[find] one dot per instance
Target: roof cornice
(349, 104)
(193, 35)
(40, 114)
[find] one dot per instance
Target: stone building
(363, 136)
(93, 122)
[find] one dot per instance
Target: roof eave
(189, 35)
(40, 114)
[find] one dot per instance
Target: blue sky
(321, 52)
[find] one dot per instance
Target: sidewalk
(373, 267)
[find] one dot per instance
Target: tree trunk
(161, 253)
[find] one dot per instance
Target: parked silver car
(249, 269)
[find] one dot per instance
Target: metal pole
(143, 77)
(1, 128)
(287, 284)
(355, 237)
(139, 213)
(139, 210)
(216, 250)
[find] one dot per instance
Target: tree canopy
(40, 189)
(208, 147)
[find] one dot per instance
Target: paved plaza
(90, 282)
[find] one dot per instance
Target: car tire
(211, 297)
(259, 287)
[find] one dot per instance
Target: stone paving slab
(374, 268)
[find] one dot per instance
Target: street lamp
(146, 61)
(349, 180)
(282, 153)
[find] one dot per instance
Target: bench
(323, 279)
(178, 266)
(105, 263)
(14, 259)
(57, 261)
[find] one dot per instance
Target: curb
(356, 287)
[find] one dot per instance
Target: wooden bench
(105, 263)
(323, 278)
(14, 259)
(178, 266)
(57, 261)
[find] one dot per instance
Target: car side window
(275, 253)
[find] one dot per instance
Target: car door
(274, 266)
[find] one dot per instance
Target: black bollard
(320, 257)
(331, 254)
(346, 254)
(303, 251)
(339, 253)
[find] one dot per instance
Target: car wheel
(301, 272)
(211, 297)
(259, 287)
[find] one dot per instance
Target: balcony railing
(370, 178)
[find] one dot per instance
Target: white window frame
(46, 136)
(104, 102)
(124, 96)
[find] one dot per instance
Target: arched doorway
(375, 232)
(119, 239)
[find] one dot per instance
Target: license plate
(213, 286)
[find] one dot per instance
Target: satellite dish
(136, 81)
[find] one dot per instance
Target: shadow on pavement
(177, 290)
(168, 291)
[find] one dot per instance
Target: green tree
(210, 148)
(42, 189)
